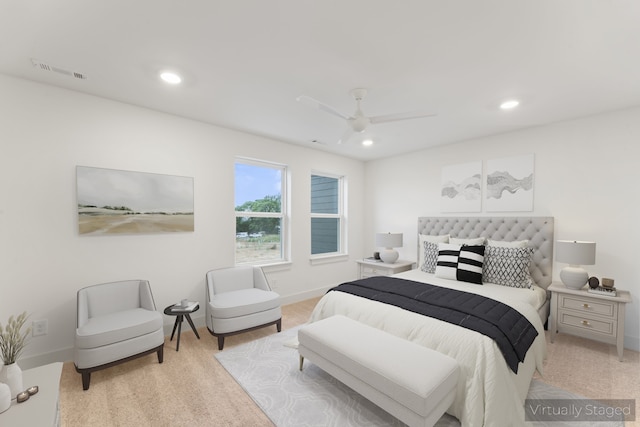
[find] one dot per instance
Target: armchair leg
(86, 379)
(279, 325)
(220, 342)
(161, 354)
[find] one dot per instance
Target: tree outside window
(259, 207)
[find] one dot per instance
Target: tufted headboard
(538, 230)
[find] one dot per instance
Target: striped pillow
(463, 263)
(470, 264)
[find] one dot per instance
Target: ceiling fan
(358, 122)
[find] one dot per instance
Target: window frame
(341, 215)
(282, 215)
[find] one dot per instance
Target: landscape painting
(510, 184)
(461, 189)
(125, 202)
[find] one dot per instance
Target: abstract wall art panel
(125, 202)
(461, 189)
(509, 184)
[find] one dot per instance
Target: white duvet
(488, 392)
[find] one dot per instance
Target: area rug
(268, 370)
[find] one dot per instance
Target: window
(327, 215)
(260, 201)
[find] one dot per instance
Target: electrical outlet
(40, 327)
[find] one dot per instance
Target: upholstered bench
(413, 383)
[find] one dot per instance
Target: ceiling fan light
(359, 124)
(508, 105)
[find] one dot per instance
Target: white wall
(586, 176)
(46, 131)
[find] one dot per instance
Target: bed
(488, 392)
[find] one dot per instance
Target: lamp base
(389, 256)
(574, 277)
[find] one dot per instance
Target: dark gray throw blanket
(512, 332)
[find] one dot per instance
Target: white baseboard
(292, 299)
(66, 354)
(62, 355)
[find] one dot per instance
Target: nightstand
(588, 315)
(372, 268)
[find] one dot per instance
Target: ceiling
(245, 62)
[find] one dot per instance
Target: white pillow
(469, 242)
(503, 244)
(421, 254)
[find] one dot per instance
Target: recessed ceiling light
(367, 142)
(507, 105)
(170, 77)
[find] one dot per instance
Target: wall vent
(48, 67)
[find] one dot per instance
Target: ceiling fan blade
(346, 135)
(400, 116)
(320, 106)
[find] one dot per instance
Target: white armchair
(240, 299)
(116, 322)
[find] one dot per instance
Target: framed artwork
(461, 189)
(509, 184)
(125, 202)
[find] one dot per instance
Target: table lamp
(389, 241)
(575, 253)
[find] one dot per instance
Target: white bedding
(535, 297)
(488, 392)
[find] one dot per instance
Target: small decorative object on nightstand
(367, 268)
(589, 315)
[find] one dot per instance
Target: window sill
(327, 259)
(276, 266)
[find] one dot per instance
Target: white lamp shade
(389, 240)
(575, 252)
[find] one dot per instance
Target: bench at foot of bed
(413, 383)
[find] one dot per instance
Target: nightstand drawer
(601, 326)
(373, 271)
(601, 308)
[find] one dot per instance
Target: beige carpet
(192, 389)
